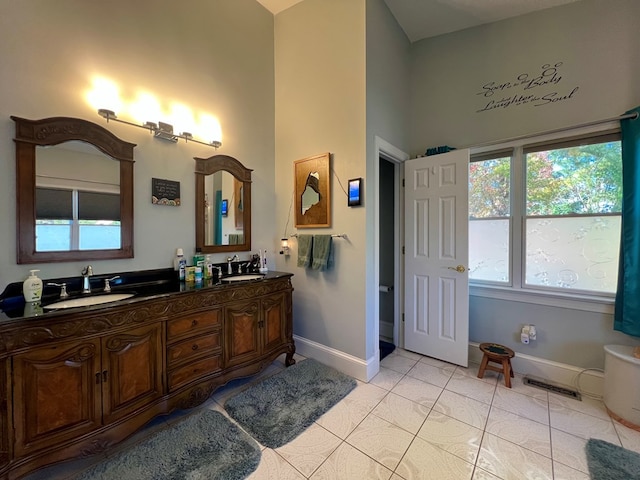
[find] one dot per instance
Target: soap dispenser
(32, 288)
(208, 267)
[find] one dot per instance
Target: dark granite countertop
(145, 285)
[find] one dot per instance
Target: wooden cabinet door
(59, 391)
(274, 317)
(132, 370)
(5, 400)
(242, 341)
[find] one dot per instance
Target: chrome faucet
(86, 275)
(235, 258)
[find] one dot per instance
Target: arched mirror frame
(209, 166)
(53, 131)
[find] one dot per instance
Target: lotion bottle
(32, 288)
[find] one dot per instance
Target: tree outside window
(570, 208)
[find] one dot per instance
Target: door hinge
(403, 318)
(403, 249)
(403, 182)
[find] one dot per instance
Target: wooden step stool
(497, 354)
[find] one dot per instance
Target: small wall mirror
(74, 191)
(223, 205)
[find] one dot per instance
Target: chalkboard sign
(165, 192)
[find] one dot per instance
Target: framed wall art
(312, 179)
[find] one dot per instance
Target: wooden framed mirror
(74, 191)
(223, 205)
(312, 191)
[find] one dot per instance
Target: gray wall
(595, 43)
(387, 116)
(388, 63)
(320, 98)
(335, 92)
(213, 56)
(595, 40)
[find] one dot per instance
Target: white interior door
(436, 256)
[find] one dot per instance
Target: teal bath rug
(278, 409)
(610, 462)
(203, 446)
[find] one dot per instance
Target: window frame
(516, 290)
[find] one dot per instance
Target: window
(554, 229)
(74, 219)
(490, 218)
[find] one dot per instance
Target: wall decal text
(536, 89)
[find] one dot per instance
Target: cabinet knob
(194, 323)
(194, 347)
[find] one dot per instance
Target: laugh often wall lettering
(535, 89)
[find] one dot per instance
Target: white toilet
(622, 385)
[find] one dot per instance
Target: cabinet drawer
(192, 348)
(192, 371)
(182, 326)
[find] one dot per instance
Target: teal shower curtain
(627, 309)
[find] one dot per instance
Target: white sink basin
(88, 301)
(243, 278)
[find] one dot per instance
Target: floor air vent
(567, 392)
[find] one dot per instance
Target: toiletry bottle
(32, 288)
(208, 267)
(180, 264)
(263, 262)
(198, 260)
(190, 274)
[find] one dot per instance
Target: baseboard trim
(386, 329)
(353, 366)
(587, 382)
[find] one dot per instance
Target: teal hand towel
(305, 245)
(321, 252)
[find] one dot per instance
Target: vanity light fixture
(160, 130)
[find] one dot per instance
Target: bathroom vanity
(77, 381)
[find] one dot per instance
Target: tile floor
(421, 418)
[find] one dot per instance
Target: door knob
(459, 269)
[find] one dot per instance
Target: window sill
(573, 302)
